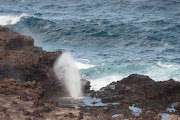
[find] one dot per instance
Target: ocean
(109, 39)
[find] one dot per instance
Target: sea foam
(98, 83)
(10, 20)
(83, 66)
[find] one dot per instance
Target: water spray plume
(68, 74)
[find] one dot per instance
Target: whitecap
(98, 83)
(163, 71)
(10, 20)
(166, 65)
(177, 78)
(83, 66)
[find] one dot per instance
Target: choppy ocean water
(109, 39)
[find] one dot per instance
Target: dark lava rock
(86, 85)
(140, 87)
(136, 80)
(139, 91)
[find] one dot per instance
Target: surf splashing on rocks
(67, 72)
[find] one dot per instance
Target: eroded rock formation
(150, 97)
(142, 87)
(21, 60)
(21, 101)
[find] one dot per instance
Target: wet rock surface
(136, 97)
(24, 101)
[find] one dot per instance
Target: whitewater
(109, 39)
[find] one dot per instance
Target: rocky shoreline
(139, 97)
(27, 84)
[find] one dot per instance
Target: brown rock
(37, 114)
(21, 60)
(25, 113)
(70, 115)
(86, 85)
(37, 104)
(2, 109)
(47, 109)
(80, 116)
(11, 40)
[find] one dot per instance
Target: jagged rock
(142, 87)
(21, 60)
(139, 91)
(27, 90)
(136, 80)
(86, 85)
(10, 40)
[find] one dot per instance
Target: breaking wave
(10, 20)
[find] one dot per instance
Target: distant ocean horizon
(109, 39)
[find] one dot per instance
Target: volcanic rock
(21, 60)
(9, 87)
(86, 85)
(142, 87)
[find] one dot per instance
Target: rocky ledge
(23, 101)
(138, 97)
(21, 60)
